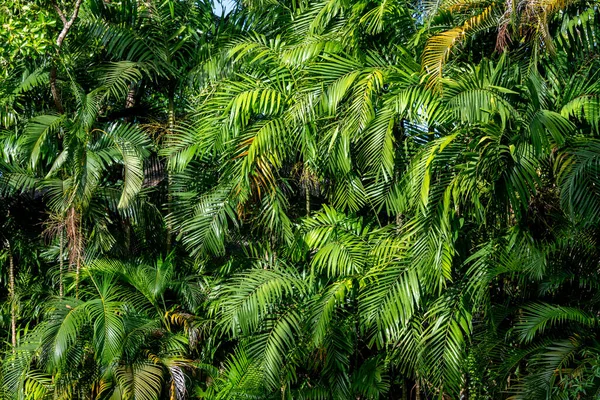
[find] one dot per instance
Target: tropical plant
(302, 200)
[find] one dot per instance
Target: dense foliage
(300, 199)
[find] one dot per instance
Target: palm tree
(476, 156)
(75, 174)
(370, 199)
(125, 336)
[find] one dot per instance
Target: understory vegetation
(300, 199)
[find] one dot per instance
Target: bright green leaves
(390, 295)
(88, 154)
(444, 341)
(131, 145)
(484, 91)
(368, 281)
(353, 213)
(60, 334)
(26, 33)
(549, 129)
(324, 307)
(207, 227)
(341, 244)
(273, 347)
(254, 101)
(143, 380)
(109, 330)
(121, 334)
(255, 305)
(538, 317)
(252, 296)
(577, 170)
(37, 133)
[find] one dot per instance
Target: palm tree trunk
(130, 100)
(54, 91)
(417, 391)
(171, 122)
(11, 289)
(464, 391)
(127, 228)
(61, 288)
(171, 115)
(307, 202)
(75, 241)
(78, 260)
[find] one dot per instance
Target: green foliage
(26, 34)
(299, 200)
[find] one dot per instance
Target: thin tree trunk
(130, 100)
(171, 123)
(75, 237)
(73, 241)
(61, 289)
(79, 256)
(307, 202)
(11, 289)
(67, 24)
(171, 115)
(54, 91)
(417, 391)
(127, 228)
(398, 214)
(464, 392)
